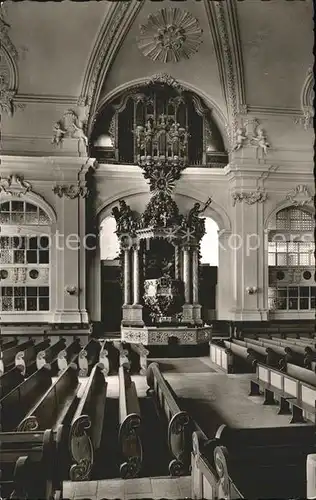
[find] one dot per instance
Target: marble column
(186, 274)
(195, 276)
(127, 278)
(136, 275)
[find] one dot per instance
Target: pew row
(142, 354)
(56, 406)
(123, 355)
(104, 359)
(88, 357)
(28, 466)
(294, 396)
(179, 423)
(87, 425)
(10, 380)
(7, 356)
(209, 475)
(26, 358)
(129, 437)
(222, 357)
(68, 355)
(15, 405)
(259, 462)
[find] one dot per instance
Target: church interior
(157, 252)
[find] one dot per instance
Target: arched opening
(291, 260)
(163, 109)
(111, 291)
(25, 244)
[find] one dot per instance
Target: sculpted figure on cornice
(255, 137)
(14, 185)
(299, 196)
(250, 197)
(124, 217)
(69, 126)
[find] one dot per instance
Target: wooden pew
(209, 474)
(104, 359)
(50, 354)
(7, 356)
(56, 406)
(113, 356)
(123, 355)
(28, 466)
(222, 357)
(142, 354)
(88, 357)
(26, 358)
(294, 396)
(262, 462)
(17, 402)
(87, 425)
(300, 373)
(300, 355)
(179, 423)
(276, 356)
(243, 359)
(130, 427)
(10, 380)
(7, 343)
(68, 355)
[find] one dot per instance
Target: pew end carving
(131, 446)
(81, 449)
(178, 439)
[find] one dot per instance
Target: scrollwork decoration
(81, 449)
(220, 460)
(71, 191)
(28, 424)
(251, 197)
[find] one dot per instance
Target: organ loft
(157, 254)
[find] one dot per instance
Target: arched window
(24, 257)
(291, 259)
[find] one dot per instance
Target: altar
(159, 249)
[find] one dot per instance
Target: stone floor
(129, 489)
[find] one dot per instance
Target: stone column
(187, 309)
(177, 262)
(186, 274)
(127, 277)
(136, 275)
(195, 276)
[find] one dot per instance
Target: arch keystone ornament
(171, 34)
(299, 196)
(14, 185)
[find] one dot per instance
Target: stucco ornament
(259, 140)
(14, 185)
(250, 197)
(69, 126)
(299, 196)
(71, 191)
(171, 34)
(8, 71)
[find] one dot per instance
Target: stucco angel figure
(59, 133)
(261, 140)
(80, 135)
(196, 211)
(240, 138)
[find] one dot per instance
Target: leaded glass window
(21, 212)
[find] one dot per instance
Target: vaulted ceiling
(254, 56)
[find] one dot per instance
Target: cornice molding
(46, 99)
(265, 110)
(114, 29)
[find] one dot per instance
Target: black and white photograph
(157, 250)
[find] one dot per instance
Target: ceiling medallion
(170, 35)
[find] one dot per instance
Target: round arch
(220, 118)
(33, 198)
(271, 217)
